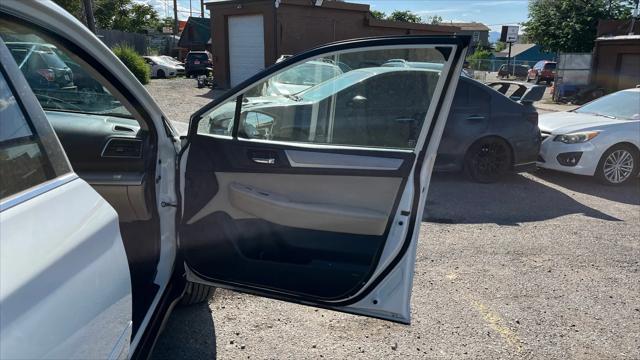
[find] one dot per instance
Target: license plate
(196, 62)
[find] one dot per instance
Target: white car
(302, 77)
(161, 68)
(601, 138)
(108, 218)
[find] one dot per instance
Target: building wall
(483, 40)
(300, 27)
(609, 58)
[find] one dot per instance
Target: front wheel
(160, 74)
(197, 293)
(618, 165)
(488, 160)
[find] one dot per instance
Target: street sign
(167, 29)
(509, 34)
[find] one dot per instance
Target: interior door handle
(264, 161)
(475, 117)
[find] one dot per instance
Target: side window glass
(23, 161)
(347, 99)
(59, 81)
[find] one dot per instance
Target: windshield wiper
(594, 113)
(293, 97)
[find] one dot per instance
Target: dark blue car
(490, 130)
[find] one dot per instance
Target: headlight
(576, 138)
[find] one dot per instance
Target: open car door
(316, 197)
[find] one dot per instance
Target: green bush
(133, 61)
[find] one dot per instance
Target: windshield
(620, 105)
(309, 74)
(58, 82)
(550, 66)
(334, 85)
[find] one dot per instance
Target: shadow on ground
(628, 193)
(517, 199)
(189, 334)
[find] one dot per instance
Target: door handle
(475, 117)
(264, 161)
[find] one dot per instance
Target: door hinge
(166, 204)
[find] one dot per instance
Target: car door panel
(65, 287)
(324, 212)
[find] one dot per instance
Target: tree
(378, 14)
(475, 60)
(570, 25)
(499, 46)
(434, 20)
(125, 15)
(73, 7)
(405, 16)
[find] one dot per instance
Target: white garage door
(246, 47)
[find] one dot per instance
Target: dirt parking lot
(540, 266)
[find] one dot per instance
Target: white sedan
(160, 68)
(601, 138)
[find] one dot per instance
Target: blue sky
(492, 13)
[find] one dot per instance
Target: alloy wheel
(618, 166)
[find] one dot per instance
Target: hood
(277, 88)
(569, 122)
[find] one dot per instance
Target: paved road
(542, 266)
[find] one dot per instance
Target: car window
(309, 74)
(201, 57)
(59, 82)
(23, 161)
(368, 106)
(550, 66)
(624, 105)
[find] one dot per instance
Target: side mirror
(358, 101)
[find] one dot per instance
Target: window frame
(47, 140)
(237, 93)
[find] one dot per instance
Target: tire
(488, 160)
(196, 293)
(160, 74)
(618, 165)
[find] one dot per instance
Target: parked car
(161, 68)
(600, 138)
(197, 62)
(42, 67)
(543, 70)
(302, 77)
(517, 71)
(488, 132)
(177, 63)
(108, 219)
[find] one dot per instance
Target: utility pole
(202, 8)
(175, 17)
(88, 13)
(633, 17)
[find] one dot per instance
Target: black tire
(196, 293)
(160, 74)
(488, 160)
(620, 148)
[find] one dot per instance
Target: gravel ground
(541, 266)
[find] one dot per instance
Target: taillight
(533, 118)
(47, 74)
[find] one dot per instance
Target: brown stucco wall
(300, 27)
(607, 60)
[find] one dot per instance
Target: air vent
(123, 148)
(123, 128)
